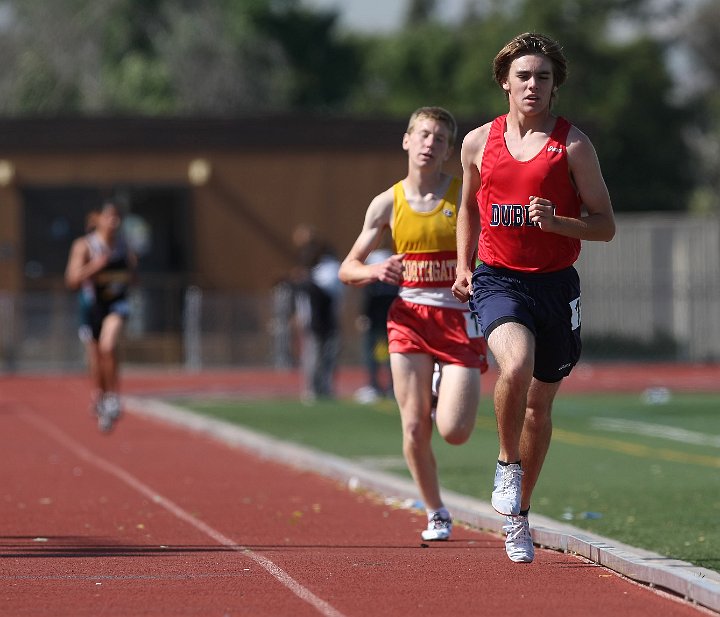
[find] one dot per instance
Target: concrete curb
(698, 585)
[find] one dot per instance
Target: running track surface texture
(167, 518)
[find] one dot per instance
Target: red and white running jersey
(508, 239)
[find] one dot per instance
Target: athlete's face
(109, 219)
(530, 83)
(428, 143)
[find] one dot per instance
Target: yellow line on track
(635, 449)
(624, 447)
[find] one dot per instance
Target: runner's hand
(542, 212)
(391, 270)
(462, 287)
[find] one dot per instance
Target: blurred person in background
(318, 297)
(532, 190)
(102, 267)
(426, 326)
(372, 322)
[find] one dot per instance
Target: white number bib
(575, 313)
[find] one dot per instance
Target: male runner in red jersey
(532, 190)
(425, 327)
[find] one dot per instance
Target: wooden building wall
(263, 176)
(266, 175)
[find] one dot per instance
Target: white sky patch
(672, 433)
(381, 15)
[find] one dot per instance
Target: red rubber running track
(157, 520)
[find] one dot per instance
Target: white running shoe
(105, 424)
(108, 412)
(506, 490)
(439, 528)
(518, 542)
(111, 405)
(367, 395)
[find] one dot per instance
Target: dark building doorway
(156, 222)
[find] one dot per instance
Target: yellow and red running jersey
(427, 240)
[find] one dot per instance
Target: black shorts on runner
(547, 303)
(96, 314)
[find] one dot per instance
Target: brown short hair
(531, 43)
(438, 114)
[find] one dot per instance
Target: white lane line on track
(82, 452)
(673, 433)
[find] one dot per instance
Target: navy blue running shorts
(547, 303)
(97, 313)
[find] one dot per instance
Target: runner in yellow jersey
(427, 327)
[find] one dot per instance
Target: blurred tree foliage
(618, 91)
(240, 57)
(202, 57)
(702, 40)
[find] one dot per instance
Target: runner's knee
(416, 434)
(455, 435)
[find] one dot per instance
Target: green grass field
(645, 474)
